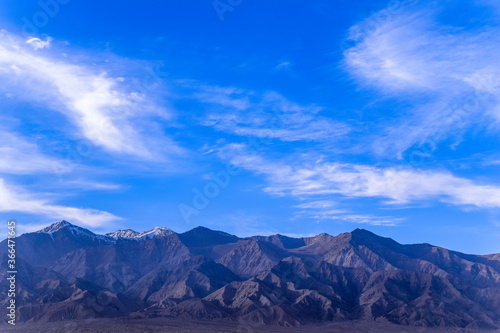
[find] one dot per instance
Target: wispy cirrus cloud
(18, 156)
(17, 199)
(269, 115)
(105, 111)
(306, 177)
(448, 73)
(104, 114)
(328, 210)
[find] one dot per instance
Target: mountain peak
(159, 229)
(366, 237)
(125, 233)
(363, 233)
(131, 234)
(56, 226)
(201, 229)
(202, 236)
(361, 230)
(156, 231)
(320, 237)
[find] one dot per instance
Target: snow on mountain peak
(56, 226)
(76, 231)
(127, 233)
(131, 234)
(110, 237)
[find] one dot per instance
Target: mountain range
(66, 272)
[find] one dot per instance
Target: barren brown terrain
(210, 281)
(162, 325)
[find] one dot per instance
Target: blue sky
(254, 117)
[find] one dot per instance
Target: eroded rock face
(66, 272)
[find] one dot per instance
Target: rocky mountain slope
(66, 272)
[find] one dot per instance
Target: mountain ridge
(64, 223)
(280, 280)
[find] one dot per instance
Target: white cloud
(18, 156)
(451, 75)
(387, 221)
(412, 51)
(16, 199)
(37, 43)
(99, 110)
(304, 178)
(86, 184)
(229, 97)
(284, 65)
(327, 210)
(105, 111)
(21, 157)
(319, 204)
(269, 116)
